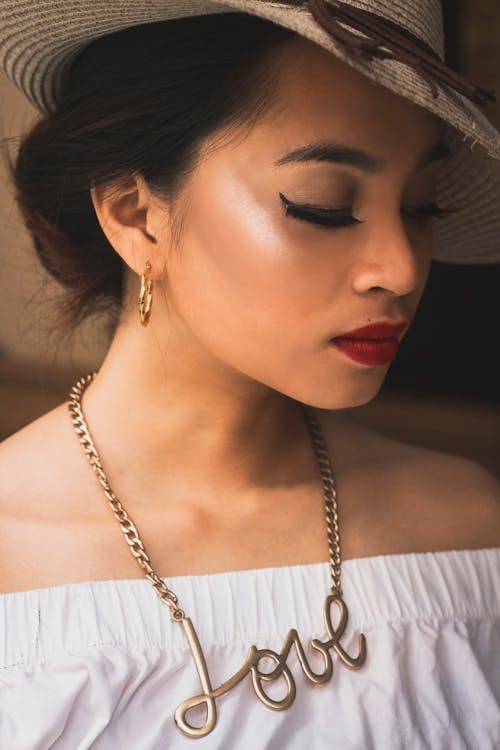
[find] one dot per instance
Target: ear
(133, 221)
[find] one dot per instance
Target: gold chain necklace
(251, 664)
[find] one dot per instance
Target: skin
(195, 416)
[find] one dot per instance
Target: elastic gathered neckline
(248, 606)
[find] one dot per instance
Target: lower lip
(368, 351)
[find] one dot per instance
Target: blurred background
(442, 391)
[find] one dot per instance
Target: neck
(172, 419)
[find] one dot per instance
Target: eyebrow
(338, 153)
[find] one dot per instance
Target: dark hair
(140, 100)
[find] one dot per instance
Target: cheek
(246, 282)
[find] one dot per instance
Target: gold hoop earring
(145, 296)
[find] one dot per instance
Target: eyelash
(342, 217)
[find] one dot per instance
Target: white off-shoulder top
(101, 664)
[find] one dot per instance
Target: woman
(240, 199)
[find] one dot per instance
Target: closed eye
(343, 217)
(429, 210)
(332, 217)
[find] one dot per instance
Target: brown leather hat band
(383, 39)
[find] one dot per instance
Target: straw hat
(398, 44)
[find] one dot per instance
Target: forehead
(319, 94)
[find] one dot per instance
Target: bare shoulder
(49, 516)
(433, 499)
(34, 461)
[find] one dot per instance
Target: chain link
(129, 529)
(330, 495)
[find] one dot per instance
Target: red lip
(381, 330)
(368, 352)
(375, 344)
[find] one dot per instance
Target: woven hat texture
(39, 39)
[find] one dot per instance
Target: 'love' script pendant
(251, 665)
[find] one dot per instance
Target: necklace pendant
(259, 678)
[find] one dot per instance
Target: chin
(354, 394)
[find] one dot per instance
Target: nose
(391, 257)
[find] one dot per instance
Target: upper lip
(381, 329)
